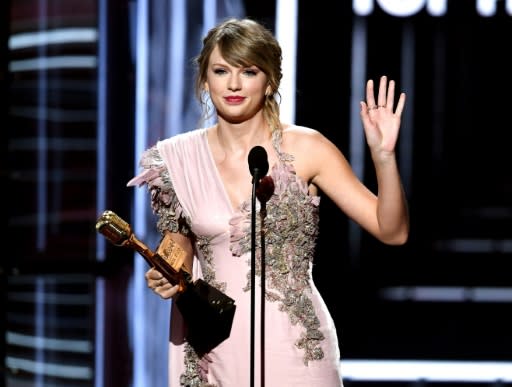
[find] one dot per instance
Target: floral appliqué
(291, 230)
(171, 217)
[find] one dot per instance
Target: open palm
(381, 121)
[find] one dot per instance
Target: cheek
(256, 88)
(216, 87)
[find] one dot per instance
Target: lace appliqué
(203, 244)
(191, 377)
(291, 230)
(171, 217)
(164, 202)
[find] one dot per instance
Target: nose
(234, 82)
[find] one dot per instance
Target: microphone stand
(263, 190)
(255, 182)
(258, 166)
(263, 214)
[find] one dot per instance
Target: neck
(240, 137)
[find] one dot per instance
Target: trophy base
(208, 314)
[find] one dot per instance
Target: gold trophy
(207, 311)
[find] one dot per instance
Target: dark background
(460, 191)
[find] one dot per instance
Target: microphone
(258, 163)
(265, 189)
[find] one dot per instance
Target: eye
(250, 72)
(219, 71)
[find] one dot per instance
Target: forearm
(392, 208)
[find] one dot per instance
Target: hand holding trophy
(207, 311)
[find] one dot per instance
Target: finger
(364, 113)
(207, 358)
(381, 99)
(153, 274)
(153, 284)
(391, 95)
(370, 97)
(364, 108)
(159, 283)
(204, 362)
(203, 366)
(165, 287)
(168, 291)
(400, 105)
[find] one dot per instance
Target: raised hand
(381, 121)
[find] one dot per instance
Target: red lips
(234, 99)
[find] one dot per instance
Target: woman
(201, 189)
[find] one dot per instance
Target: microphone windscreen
(258, 161)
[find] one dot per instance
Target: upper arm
(328, 169)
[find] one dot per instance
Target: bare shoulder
(299, 140)
(310, 148)
(297, 135)
(298, 131)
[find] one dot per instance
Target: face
(237, 93)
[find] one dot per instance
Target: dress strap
(277, 139)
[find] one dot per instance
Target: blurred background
(86, 85)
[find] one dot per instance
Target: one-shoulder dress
(300, 341)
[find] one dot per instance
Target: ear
(268, 91)
(206, 87)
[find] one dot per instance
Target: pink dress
(187, 195)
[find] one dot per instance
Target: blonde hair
(243, 42)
